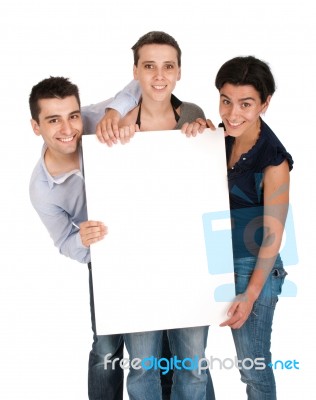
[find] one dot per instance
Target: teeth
(160, 87)
(235, 123)
(66, 139)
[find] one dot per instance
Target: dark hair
(247, 71)
(156, 37)
(50, 88)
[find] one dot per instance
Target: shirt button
(244, 158)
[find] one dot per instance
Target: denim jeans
(166, 378)
(144, 382)
(189, 343)
(104, 384)
(253, 339)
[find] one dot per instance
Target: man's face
(60, 125)
(157, 71)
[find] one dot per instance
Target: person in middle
(157, 68)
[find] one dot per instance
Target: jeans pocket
(277, 279)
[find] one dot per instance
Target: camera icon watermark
(218, 228)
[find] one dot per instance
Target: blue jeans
(189, 343)
(143, 383)
(253, 339)
(104, 384)
(166, 378)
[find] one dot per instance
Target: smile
(235, 124)
(65, 140)
(160, 87)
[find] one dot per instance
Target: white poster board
(167, 259)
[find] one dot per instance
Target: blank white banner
(165, 262)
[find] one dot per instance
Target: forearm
(65, 235)
(267, 255)
(126, 99)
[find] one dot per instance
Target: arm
(64, 233)
(70, 240)
(107, 129)
(276, 199)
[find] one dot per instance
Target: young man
(56, 116)
(157, 68)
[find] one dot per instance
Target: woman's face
(240, 107)
(157, 71)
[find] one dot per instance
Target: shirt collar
(57, 180)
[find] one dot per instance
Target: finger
(111, 128)
(184, 127)
(194, 129)
(210, 124)
(91, 223)
(190, 129)
(93, 234)
(98, 132)
(115, 128)
(201, 121)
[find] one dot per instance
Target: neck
(248, 139)
(152, 108)
(157, 115)
(58, 164)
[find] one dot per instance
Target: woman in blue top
(258, 179)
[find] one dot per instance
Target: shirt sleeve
(123, 102)
(126, 99)
(59, 225)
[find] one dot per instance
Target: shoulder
(191, 106)
(270, 150)
(190, 111)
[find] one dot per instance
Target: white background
(45, 332)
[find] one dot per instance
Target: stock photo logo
(284, 364)
(196, 363)
(217, 234)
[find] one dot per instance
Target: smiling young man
(57, 192)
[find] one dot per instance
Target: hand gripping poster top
(166, 261)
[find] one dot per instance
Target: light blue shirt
(61, 201)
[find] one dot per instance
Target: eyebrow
(165, 62)
(57, 115)
(243, 99)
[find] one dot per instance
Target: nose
(159, 73)
(233, 111)
(66, 127)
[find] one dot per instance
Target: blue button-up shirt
(61, 201)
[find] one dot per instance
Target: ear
(179, 75)
(35, 127)
(135, 72)
(266, 104)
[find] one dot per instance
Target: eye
(53, 121)
(245, 105)
(75, 116)
(226, 102)
(169, 66)
(148, 66)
